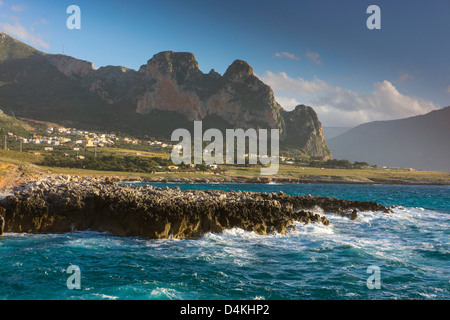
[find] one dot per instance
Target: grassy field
(131, 152)
(18, 157)
(28, 162)
(292, 171)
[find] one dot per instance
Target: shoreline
(264, 180)
(9, 189)
(65, 204)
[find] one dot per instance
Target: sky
(315, 52)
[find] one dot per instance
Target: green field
(28, 162)
(292, 171)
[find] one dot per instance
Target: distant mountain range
(331, 132)
(167, 93)
(420, 142)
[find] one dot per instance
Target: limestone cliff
(168, 92)
(305, 131)
(238, 97)
(70, 66)
(177, 84)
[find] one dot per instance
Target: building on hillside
(87, 142)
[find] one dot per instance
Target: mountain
(420, 142)
(331, 132)
(14, 49)
(167, 93)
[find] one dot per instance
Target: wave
(106, 297)
(165, 293)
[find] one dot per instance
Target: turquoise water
(410, 247)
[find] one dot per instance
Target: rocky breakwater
(66, 204)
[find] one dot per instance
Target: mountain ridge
(14, 49)
(166, 93)
(419, 142)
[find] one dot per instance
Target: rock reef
(64, 204)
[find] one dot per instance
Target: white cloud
(283, 82)
(404, 77)
(287, 103)
(340, 107)
(286, 55)
(1, 3)
(17, 8)
(38, 22)
(313, 56)
(21, 32)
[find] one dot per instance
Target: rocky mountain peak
(301, 109)
(239, 69)
(71, 66)
(305, 130)
(169, 62)
(167, 93)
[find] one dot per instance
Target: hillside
(420, 142)
(167, 93)
(13, 49)
(14, 126)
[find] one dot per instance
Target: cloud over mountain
(19, 31)
(341, 107)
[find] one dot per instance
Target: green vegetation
(10, 124)
(365, 175)
(339, 164)
(13, 49)
(108, 163)
(141, 159)
(147, 166)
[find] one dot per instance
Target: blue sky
(318, 52)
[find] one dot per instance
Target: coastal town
(66, 136)
(54, 139)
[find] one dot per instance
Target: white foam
(106, 297)
(165, 293)
(14, 235)
(427, 296)
(316, 229)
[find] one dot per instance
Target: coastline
(64, 204)
(277, 180)
(9, 186)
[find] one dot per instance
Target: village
(54, 144)
(57, 142)
(54, 137)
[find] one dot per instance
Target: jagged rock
(57, 205)
(354, 214)
(2, 220)
(70, 66)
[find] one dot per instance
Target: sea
(380, 256)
